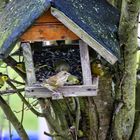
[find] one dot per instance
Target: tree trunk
(136, 131)
(124, 113)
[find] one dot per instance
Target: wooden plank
(67, 91)
(85, 63)
(47, 27)
(48, 32)
(84, 36)
(30, 73)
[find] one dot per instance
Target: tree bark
(136, 130)
(3, 4)
(124, 113)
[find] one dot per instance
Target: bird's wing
(51, 81)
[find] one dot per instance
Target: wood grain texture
(47, 27)
(86, 70)
(30, 73)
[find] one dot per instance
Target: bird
(3, 78)
(61, 65)
(56, 81)
(21, 66)
(72, 80)
(96, 68)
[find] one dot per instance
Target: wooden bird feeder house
(66, 20)
(49, 28)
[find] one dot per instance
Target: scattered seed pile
(45, 58)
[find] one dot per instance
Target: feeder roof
(94, 21)
(16, 17)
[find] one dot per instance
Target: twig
(22, 114)
(25, 108)
(13, 119)
(40, 67)
(122, 80)
(12, 63)
(51, 135)
(24, 100)
(9, 123)
(17, 82)
(10, 91)
(118, 107)
(78, 114)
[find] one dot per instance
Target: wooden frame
(36, 91)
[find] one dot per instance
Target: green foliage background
(30, 121)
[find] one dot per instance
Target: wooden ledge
(67, 91)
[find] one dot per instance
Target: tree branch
(10, 91)
(52, 122)
(12, 63)
(51, 135)
(17, 82)
(12, 118)
(24, 100)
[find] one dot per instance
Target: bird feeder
(47, 27)
(94, 23)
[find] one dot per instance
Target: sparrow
(56, 81)
(62, 65)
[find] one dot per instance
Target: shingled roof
(94, 21)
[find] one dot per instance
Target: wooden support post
(85, 63)
(27, 53)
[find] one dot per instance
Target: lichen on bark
(123, 119)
